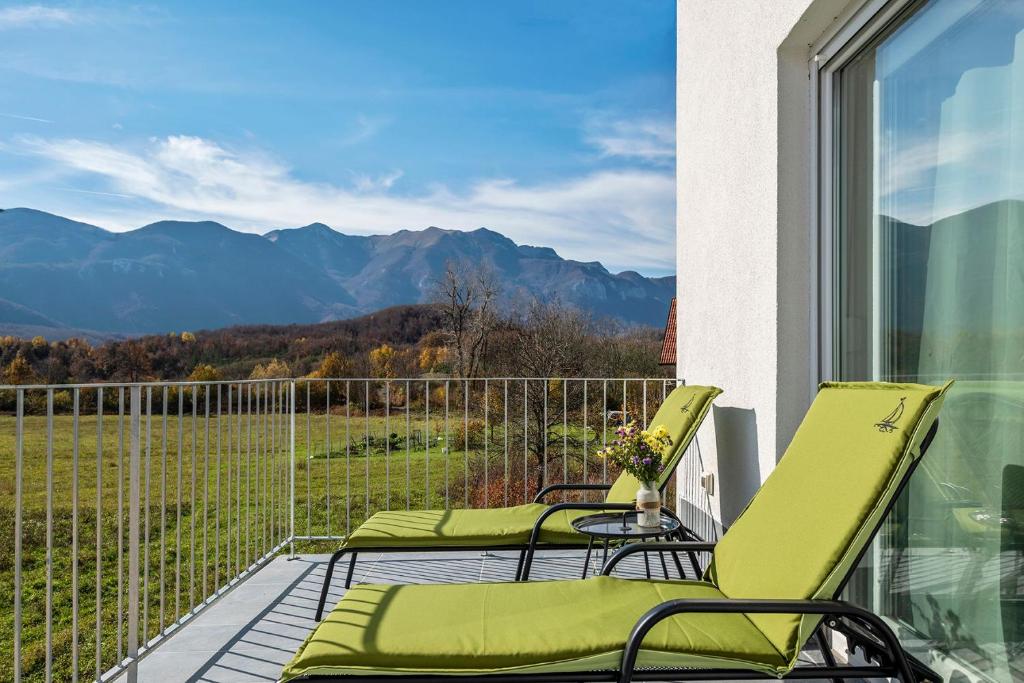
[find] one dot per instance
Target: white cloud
(652, 140)
(22, 117)
(625, 219)
(365, 183)
(363, 128)
(33, 15)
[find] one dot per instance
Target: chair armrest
(898, 664)
(648, 546)
(569, 487)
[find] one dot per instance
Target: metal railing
(129, 508)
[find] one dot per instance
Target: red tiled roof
(668, 342)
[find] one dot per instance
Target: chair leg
(351, 569)
(679, 565)
(826, 649)
(327, 582)
(694, 563)
(519, 567)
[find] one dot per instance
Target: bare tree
(467, 296)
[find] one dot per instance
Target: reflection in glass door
(928, 265)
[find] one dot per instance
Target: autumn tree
(204, 372)
(333, 365)
(382, 361)
(19, 371)
(467, 297)
(275, 369)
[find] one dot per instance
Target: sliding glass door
(926, 256)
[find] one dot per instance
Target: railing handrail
(225, 382)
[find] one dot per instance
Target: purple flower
(647, 461)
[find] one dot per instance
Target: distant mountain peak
(201, 274)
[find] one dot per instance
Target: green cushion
(681, 413)
(542, 626)
(477, 527)
(801, 533)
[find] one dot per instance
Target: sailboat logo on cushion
(887, 424)
(686, 406)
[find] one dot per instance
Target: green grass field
(214, 500)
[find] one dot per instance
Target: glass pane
(930, 285)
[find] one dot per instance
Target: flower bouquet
(641, 453)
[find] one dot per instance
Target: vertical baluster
(272, 506)
(238, 483)
(327, 447)
(145, 546)
(74, 535)
(19, 445)
(504, 429)
(447, 444)
(585, 439)
(487, 401)
(387, 444)
(604, 429)
(163, 507)
(227, 493)
(348, 458)
(120, 524)
(133, 534)
(526, 441)
(177, 511)
(426, 441)
(465, 443)
(206, 489)
(544, 435)
(99, 532)
(248, 471)
(644, 381)
(408, 451)
(366, 423)
(49, 535)
(216, 497)
(291, 467)
(625, 398)
(264, 533)
(192, 502)
(565, 434)
(309, 466)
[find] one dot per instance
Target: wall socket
(707, 481)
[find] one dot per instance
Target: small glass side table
(622, 527)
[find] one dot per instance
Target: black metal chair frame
(863, 629)
(526, 551)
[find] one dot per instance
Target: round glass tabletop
(622, 525)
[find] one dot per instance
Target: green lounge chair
(524, 527)
(771, 585)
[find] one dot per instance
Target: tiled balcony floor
(254, 630)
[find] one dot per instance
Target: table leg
(664, 565)
(586, 563)
(604, 558)
(647, 565)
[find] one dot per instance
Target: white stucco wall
(744, 260)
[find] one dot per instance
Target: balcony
(175, 531)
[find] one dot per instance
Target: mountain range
(60, 275)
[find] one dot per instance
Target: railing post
(19, 441)
(291, 436)
(133, 535)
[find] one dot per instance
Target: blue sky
(552, 122)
